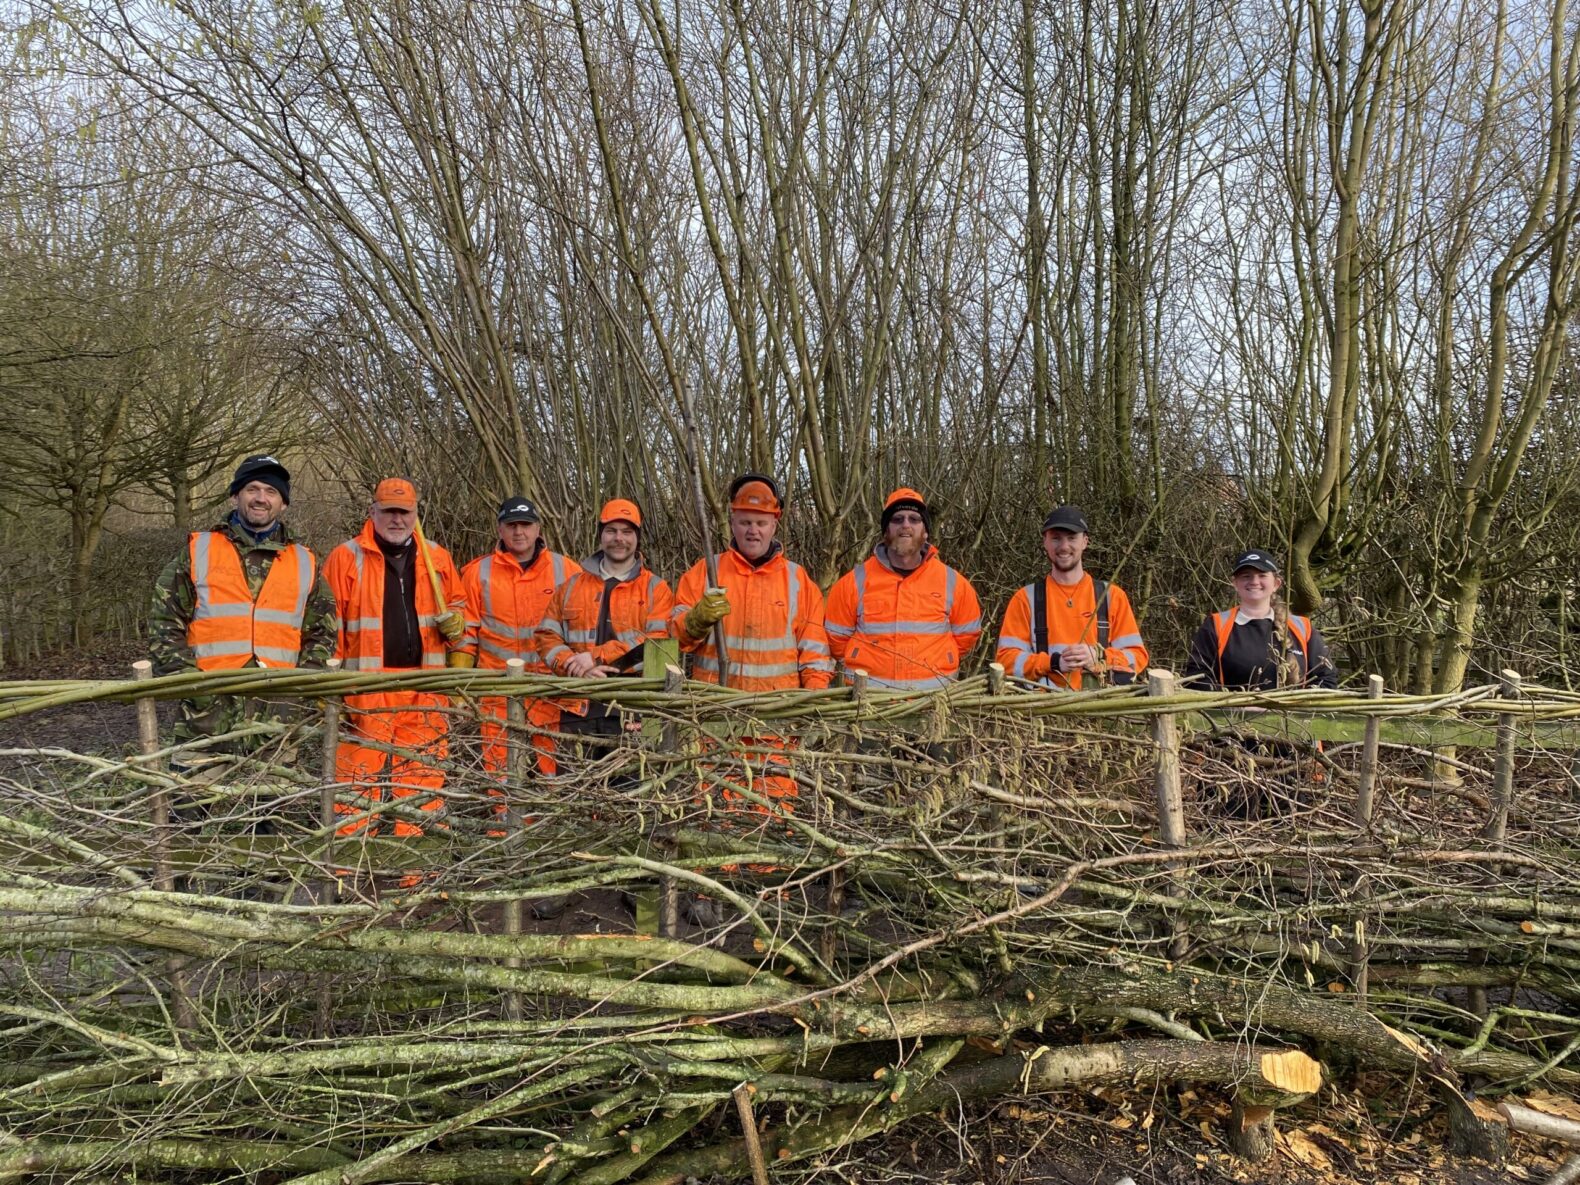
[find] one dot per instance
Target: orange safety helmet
(756, 493)
(620, 510)
(397, 492)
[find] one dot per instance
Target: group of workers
(245, 593)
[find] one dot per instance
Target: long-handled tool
(433, 578)
(709, 560)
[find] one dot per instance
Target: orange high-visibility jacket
(1072, 621)
(504, 604)
(639, 609)
(228, 628)
(354, 572)
(909, 630)
(774, 630)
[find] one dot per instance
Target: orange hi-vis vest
(505, 603)
(1224, 623)
(908, 630)
(1074, 617)
(229, 629)
(354, 572)
(639, 609)
(773, 632)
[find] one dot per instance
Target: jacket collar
(277, 540)
(594, 565)
(881, 554)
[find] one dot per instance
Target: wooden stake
(1503, 772)
(668, 842)
(329, 889)
(754, 1146)
(516, 750)
(159, 813)
(1170, 796)
(1367, 790)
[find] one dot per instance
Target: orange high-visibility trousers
(403, 719)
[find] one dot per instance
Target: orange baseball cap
(620, 510)
(754, 496)
(396, 492)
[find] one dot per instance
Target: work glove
(707, 612)
(452, 625)
(460, 658)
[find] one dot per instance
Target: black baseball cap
(1066, 518)
(516, 509)
(265, 468)
(1260, 560)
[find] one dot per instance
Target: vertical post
(159, 812)
(995, 674)
(1166, 738)
(668, 841)
(159, 800)
(836, 876)
(1365, 794)
(329, 889)
(516, 749)
(1503, 772)
(1171, 801)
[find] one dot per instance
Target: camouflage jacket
(175, 599)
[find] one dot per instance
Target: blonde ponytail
(1288, 662)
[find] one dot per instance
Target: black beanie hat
(262, 468)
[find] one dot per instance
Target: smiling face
(753, 533)
(259, 504)
(1255, 588)
(520, 539)
(618, 541)
(1065, 549)
(393, 524)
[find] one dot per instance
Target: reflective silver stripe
(553, 655)
(1019, 669)
(305, 572)
(428, 618)
(276, 654)
(221, 649)
(1008, 643)
(813, 646)
(1126, 642)
(967, 627)
(432, 660)
(861, 595)
(909, 627)
(819, 664)
(749, 644)
(657, 625)
(949, 592)
(485, 575)
(506, 653)
(839, 631)
(932, 683)
(361, 664)
(578, 637)
(278, 617)
(557, 562)
(356, 551)
(793, 579)
(214, 612)
(630, 637)
(354, 625)
(757, 670)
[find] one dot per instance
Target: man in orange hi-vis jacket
(903, 615)
(598, 620)
(391, 620)
(771, 609)
(1069, 624)
(507, 592)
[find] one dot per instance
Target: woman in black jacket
(1257, 644)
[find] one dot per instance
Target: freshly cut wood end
(1292, 1070)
